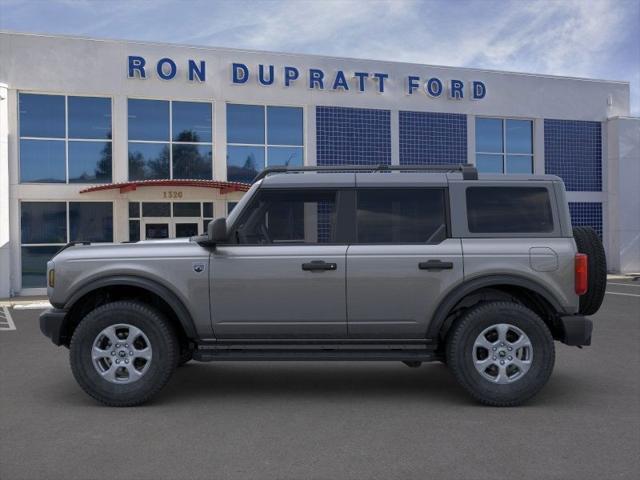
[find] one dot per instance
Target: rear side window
(407, 215)
(509, 210)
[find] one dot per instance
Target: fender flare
(464, 289)
(182, 313)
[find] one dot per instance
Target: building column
(623, 201)
(395, 137)
(5, 243)
(538, 146)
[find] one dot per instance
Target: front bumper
(575, 330)
(52, 323)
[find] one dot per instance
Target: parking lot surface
(326, 420)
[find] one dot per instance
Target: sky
(579, 38)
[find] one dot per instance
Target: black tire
(165, 351)
(460, 351)
(588, 242)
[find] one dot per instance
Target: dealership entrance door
(154, 228)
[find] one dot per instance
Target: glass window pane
(231, 206)
(245, 124)
(89, 117)
(134, 230)
(148, 120)
(43, 222)
(244, 163)
(401, 216)
(186, 209)
(205, 225)
(207, 209)
(284, 125)
(489, 163)
(519, 136)
(34, 265)
(185, 230)
(156, 209)
(89, 162)
(489, 135)
(134, 210)
(91, 221)
(191, 121)
(293, 216)
(148, 161)
(41, 115)
(519, 164)
(156, 230)
(192, 161)
(509, 210)
(288, 156)
(42, 161)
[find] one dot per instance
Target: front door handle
(319, 266)
(435, 265)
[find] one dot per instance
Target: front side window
(65, 139)
(504, 145)
(288, 217)
(48, 226)
(259, 136)
(509, 210)
(401, 216)
(170, 140)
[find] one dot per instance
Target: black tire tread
(454, 343)
(164, 329)
(588, 242)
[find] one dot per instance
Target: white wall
(5, 246)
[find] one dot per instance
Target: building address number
(172, 194)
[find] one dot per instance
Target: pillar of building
(5, 250)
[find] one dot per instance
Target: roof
(224, 187)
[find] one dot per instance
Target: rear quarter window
(509, 210)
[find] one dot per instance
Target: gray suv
(401, 263)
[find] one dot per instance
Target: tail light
(582, 273)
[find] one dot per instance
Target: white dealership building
(112, 141)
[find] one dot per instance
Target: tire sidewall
(460, 353)
(163, 345)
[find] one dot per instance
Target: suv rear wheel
(501, 352)
(124, 352)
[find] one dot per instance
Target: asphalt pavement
(326, 420)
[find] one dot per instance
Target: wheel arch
(494, 287)
(119, 287)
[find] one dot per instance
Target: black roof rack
(469, 172)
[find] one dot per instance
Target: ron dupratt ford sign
(314, 78)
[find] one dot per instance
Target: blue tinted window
(89, 117)
(192, 161)
(519, 164)
(287, 156)
(42, 161)
(489, 163)
(34, 265)
(148, 161)
(43, 222)
(231, 206)
(284, 126)
(245, 124)
(244, 163)
(489, 135)
(519, 136)
(91, 221)
(89, 162)
(41, 115)
(191, 122)
(134, 230)
(207, 210)
(134, 209)
(148, 120)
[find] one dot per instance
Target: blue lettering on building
(345, 81)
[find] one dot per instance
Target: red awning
(224, 187)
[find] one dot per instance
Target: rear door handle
(435, 265)
(319, 266)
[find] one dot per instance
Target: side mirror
(217, 230)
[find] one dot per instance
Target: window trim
(504, 152)
(140, 218)
(66, 139)
(265, 146)
(447, 215)
(170, 142)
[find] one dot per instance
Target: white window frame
(171, 219)
(504, 152)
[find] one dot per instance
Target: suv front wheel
(123, 353)
(501, 352)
